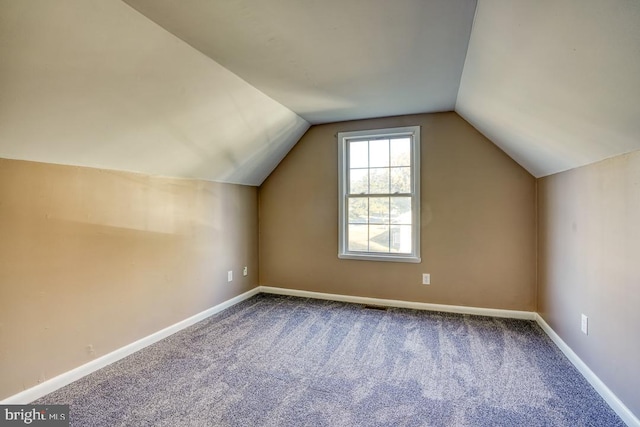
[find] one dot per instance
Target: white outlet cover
(426, 279)
(229, 276)
(585, 325)
(245, 271)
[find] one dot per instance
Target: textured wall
(478, 221)
(92, 260)
(589, 239)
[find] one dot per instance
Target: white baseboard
(62, 380)
(623, 412)
(494, 312)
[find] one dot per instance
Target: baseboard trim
(75, 374)
(620, 408)
(478, 311)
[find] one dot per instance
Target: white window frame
(343, 187)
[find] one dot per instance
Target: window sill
(375, 257)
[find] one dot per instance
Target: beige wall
(92, 260)
(478, 221)
(589, 257)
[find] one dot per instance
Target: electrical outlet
(426, 279)
(229, 276)
(245, 271)
(585, 325)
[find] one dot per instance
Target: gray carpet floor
(284, 361)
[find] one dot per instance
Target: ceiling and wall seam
(466, 53)
(110, 89)
(117, 86)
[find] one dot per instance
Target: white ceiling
(221, 90)
(97, 84)
(332, 60)
(555, 84)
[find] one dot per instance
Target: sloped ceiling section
(97, 84)
(332, 60)
(555, 84)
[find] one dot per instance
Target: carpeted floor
(284, 361)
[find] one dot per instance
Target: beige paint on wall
(92, 260)
(589, 263)
(478, 232)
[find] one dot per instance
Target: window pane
(379, 153)
(379, 181)
(401, 152)
(401, 210)
(400, 239)
(359, 154)
(379, 210)
(358, 210)
(359, 181)
(358, 237)
(400, 180)
(378, 238)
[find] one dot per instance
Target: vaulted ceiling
(332, 60)
(221, 90)
(555, 84)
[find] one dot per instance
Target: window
(379, 190)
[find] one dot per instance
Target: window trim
(343, 172)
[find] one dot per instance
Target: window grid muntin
(368, 195)
(390, 138)
(411, 136)
(389, 223)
